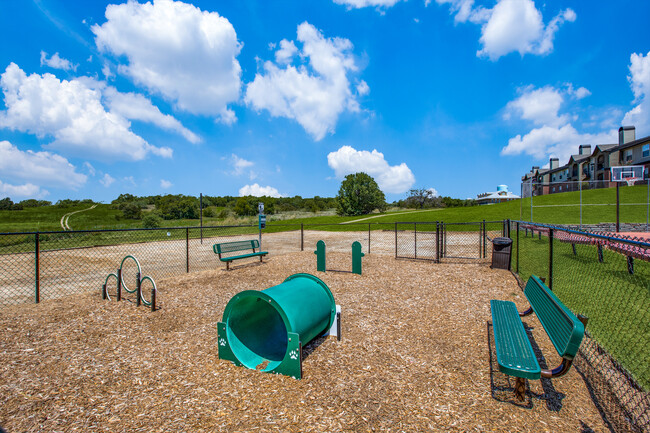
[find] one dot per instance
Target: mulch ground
(417, 355)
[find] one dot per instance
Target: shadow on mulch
(503, 386)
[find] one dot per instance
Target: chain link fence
(605, 277)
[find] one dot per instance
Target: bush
(131, 211)
(151, 221)
(208, 212)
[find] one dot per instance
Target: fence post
(395, 239)
(368, 238)
(187, 249)
(550, 258)
(302, 237)
(437, 241)
(484, 240)
(37, 271)
(517, 268)
(508, 228)
(415, 238)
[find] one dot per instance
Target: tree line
(359, 194)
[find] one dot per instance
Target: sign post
(261, 221)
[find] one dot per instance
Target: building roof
(578, 158)
(634, 143)
(496, 195)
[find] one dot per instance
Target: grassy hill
(562, 208)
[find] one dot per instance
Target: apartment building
(589, 168)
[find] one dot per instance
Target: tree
(359, 195)
(421, 198)
(6, 204)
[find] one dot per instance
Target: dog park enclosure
(612, 362)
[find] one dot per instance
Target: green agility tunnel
(265, 330)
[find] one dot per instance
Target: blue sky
(287, 97)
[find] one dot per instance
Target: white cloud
(464, 11)
(434, 192)
(107, 180)
(134, 106)
(392, 179)
(512, 25)
(89, 168)
(579, 93)
(40, 168)
(186, 55)
(313, 94)
(554, 134)
(286, 52)
(357, 4)
(541, 106)
(27, 190)
(239, 165)
(259, 191)
(57, 62)
(560, 142)
(165, 184)
(72, 113)
(639, 79)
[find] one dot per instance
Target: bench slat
(515, 354)
(230, 247)
(562, 326)
(243, 256)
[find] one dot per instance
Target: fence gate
(417, 241)
(464, 240)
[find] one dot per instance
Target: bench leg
(520, 389)
(573, 247)
(227, 266)
(261, 257)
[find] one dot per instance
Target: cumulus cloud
(72, 113)
(554, 134)
(187, 55)
(40, 168)
(541, 106)
(107, 180)
(165, 184)
(27, 190)
(358, 4)
(511, 26)
(134, 106)
(560, 142)
(57, 62)
(639, 79)
(392, 179)
(434, 192)
(259, 191)
(314, 94)
(240, 165)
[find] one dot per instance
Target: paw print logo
(222, 342)
(293, 354)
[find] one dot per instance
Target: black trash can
(501, 253)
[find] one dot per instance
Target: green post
(356, 258)
(320, 256)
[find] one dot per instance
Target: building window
(628, 155)
(646, 150)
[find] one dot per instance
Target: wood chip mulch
(417, 355)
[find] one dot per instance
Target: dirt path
(66, 218)
(390, 214)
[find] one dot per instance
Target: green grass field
(563, 208)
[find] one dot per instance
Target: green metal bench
(235, 247)
(515, 354)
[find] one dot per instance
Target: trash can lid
(502, 241)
